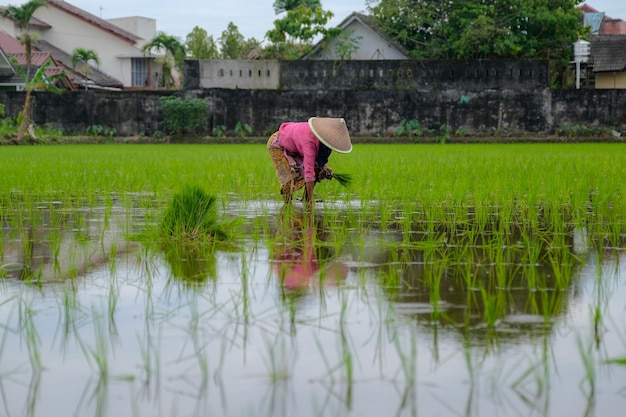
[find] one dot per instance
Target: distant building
(360, 39)
(609, 60)
(62, 27)
(601, 24)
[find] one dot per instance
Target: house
(361, 39)
(13, 54)
(608, 54)
(601, 24)
(62, 27)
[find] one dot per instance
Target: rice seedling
(345, 180)
(192, 216)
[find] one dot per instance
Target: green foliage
(184, 115)
(82, 55)
(409, 128)
(192, 216)
(39, 82)
(347, 45)
(281, 6)
(446, 133)
(200, 45)
(219, 131)
(232, 42)
(99, 130)
(499, 29)
(243, 129)
(174, 55)
(301, 24)
(285, 51)
(581, 131)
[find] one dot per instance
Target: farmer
(300, 151)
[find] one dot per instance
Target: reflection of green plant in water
(191, 263)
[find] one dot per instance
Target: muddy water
(305, 318)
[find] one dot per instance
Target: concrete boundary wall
(359, 75)
(233, 74)
(510, 99)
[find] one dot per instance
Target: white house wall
(370, 45)
(144, 27)
(68, 33)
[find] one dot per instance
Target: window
(139, 72)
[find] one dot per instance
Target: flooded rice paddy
(334, 315)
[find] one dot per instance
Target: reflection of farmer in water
(298, 261)
(300, 152)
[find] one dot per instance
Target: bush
(184, 115)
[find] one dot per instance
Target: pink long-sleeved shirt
(297, 138)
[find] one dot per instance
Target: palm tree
(84, 56)
(281, 6)
(22, 16)
(174, 54)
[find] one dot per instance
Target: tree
(232, 42)
(496, 29)
(301, 25)
(281, 6)
(22, 16)
(39, 82)
(200, 45)
(82, 55)
(174, 55)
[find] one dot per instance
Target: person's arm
(308, 193)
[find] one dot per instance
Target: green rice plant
(345, 180)
(192, 216)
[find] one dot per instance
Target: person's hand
(326, 173)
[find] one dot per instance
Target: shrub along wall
(508, 100)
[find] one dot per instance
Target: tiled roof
(587, 8)
(37, 58)
(63, 58)
(95, 20)
(9, 44)
(613, 26)
(608, 52)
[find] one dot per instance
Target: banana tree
(39, 82)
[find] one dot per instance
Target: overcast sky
(253, 17)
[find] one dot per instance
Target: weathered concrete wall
(254, 74)
(129, 112)
(366, 75)
(474, 97)
(376, 112)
